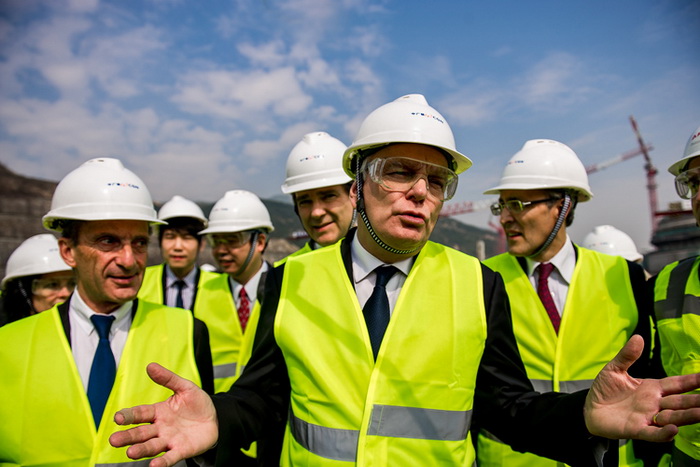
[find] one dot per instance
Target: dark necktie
(243, 308)
(180, 284)
(545, 269)
(103, 368)
(376, 310)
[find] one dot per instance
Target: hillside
(24, 200)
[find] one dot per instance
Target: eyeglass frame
(374, 168)
(37, 286)
(683, 188)
(213, 243)
(497, 207)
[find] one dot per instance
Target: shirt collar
(170, 277)
(363, 262)
(251, 287)
(82, 312)
(564, 261)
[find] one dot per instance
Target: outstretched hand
(619, 406)
(182, 426)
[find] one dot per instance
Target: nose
(318, 209)
(419, 190)
(126, 257)
(506, 216)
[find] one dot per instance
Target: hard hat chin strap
(26, 296)
(249, 258)
(363, 214)
(557, 225)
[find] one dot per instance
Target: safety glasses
(45, 287)
(514, 205)
(402, 173)
(687, 183)
(229, 240)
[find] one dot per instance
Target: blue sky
(202, 97)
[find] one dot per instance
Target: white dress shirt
(363, 266)
(564, 263)
(251, 288)
(187, 290)
(84, 338)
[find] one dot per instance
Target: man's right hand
(183, 426)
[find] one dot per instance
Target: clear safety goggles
(402, 173)
(229, 240)
(515, 206)
(45, 287)
(687, 183)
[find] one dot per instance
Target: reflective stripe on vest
(677, 301)
(49, 421)
(545, 385)
(392, 421)
(416, 399)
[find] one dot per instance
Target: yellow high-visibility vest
(677, 310)
(599, 316)
(413, 406)
(214, 305)
(45, 413)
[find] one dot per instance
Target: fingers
(678, 417)
(138, 414)
(134, 435)
(680, 401)
(161, 375)
(150, 448)
(658, 434)
(629, 353)
(680, 384)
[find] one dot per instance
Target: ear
(67, 251)
(261, 241)
(353, 194)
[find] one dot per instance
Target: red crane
(651, 176)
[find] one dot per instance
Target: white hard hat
(178, 206)
(315, 162)
(100, 189)
(36, 255)
(408, 119)
(608, 239)
(237, 211)
(692, 149)
(544, 164)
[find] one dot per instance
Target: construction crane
(651, 176)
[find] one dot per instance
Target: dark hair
(16, 300)
(70, 229)
(559, 195)
(347, 187)
(182, 226)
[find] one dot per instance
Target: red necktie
(243, 308)
(545, 269)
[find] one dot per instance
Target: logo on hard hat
(125, 185)
(308, 158)
(423, 114)
(518, 161)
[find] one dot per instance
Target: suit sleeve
(202, 355)
(550, 424)
(255, 408)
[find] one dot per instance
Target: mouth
(124, 280)
(413, 218)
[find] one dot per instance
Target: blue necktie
(180, 284)
(103, 368)
(376, 310)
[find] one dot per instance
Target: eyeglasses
(229, 240)
(687, 183)
(49, 286)
(402, 173)
(515, 205)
